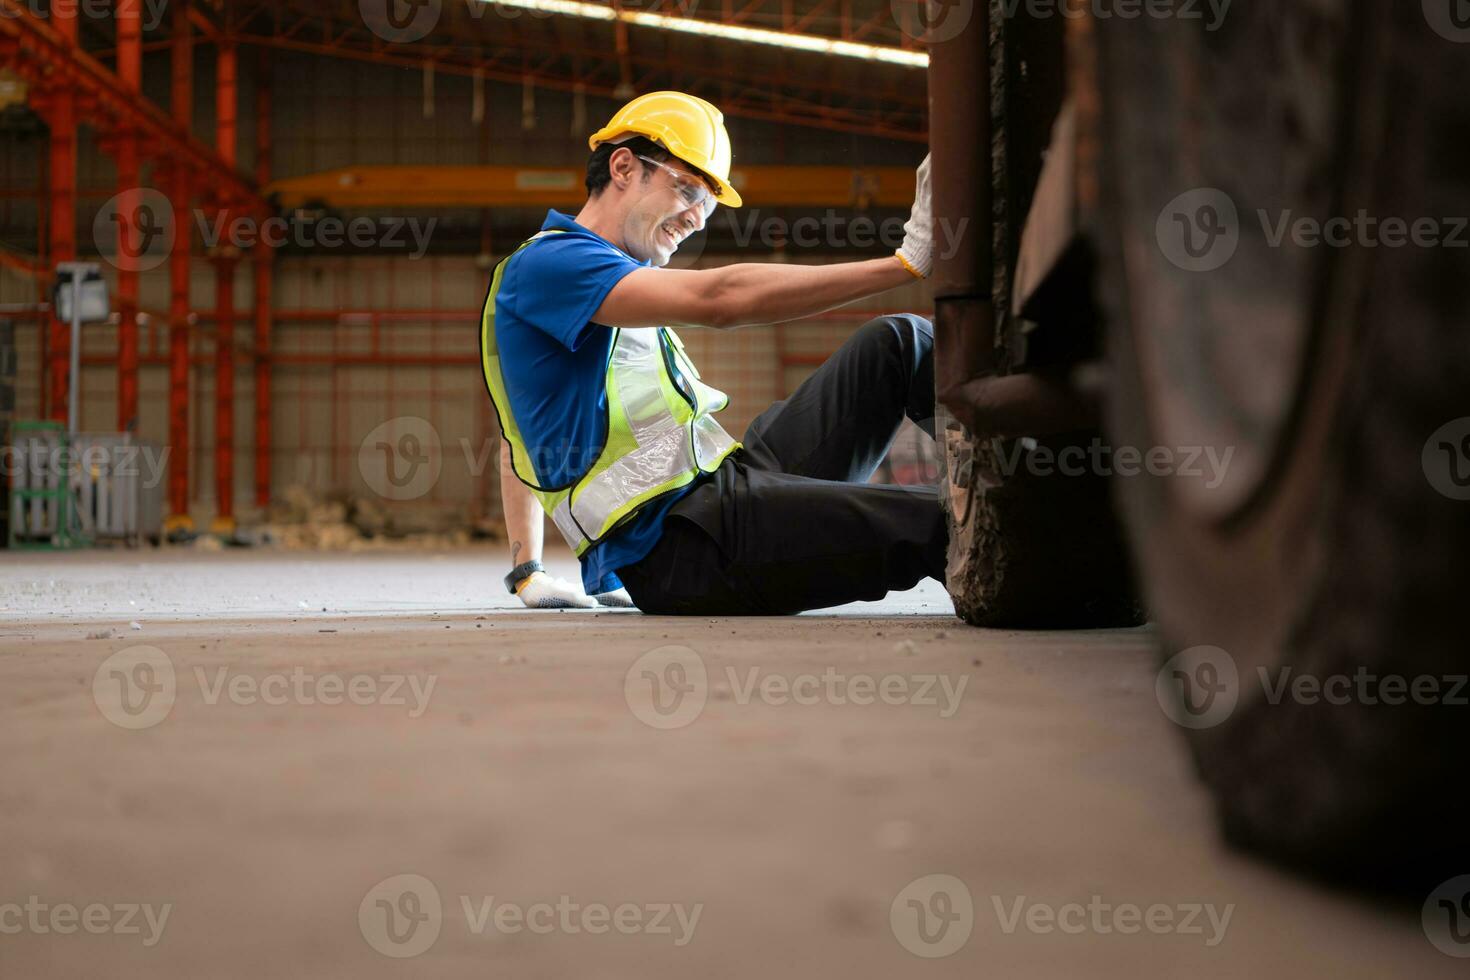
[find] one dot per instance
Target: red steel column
(43, 249)
(224, 396)
(225, 86)
(62, 119)
(178, 357)
(263, 276)
(130, 71)
(263, 273)
(226, 83)
(182, 90)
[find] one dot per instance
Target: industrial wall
(362, 337)
(322, 412)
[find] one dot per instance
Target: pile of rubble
(306, 521)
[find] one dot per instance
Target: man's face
(660, 215)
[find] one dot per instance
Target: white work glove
(618, 599)
(917, 251)
(541, 591)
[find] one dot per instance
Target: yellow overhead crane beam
(497, 186)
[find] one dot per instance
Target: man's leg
(754, 542)
(790, 523)
(839, 423)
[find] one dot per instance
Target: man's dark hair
(599, 173)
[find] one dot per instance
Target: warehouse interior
(279, 503)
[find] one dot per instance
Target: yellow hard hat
(689, 127)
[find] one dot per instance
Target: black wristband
(520, 573)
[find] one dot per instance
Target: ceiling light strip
(730, 32)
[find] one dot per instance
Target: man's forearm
(771, 292)
(523, 521)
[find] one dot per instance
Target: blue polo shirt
(554, 360)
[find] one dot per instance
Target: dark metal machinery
(1028, 547)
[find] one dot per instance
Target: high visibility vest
(660, 433)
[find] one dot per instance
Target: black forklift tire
(1283, 620)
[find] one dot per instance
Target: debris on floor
(307, 521)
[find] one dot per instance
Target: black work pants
(789, 522)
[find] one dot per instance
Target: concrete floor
(509, 758)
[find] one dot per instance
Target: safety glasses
(692, 191)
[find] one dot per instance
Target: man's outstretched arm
(745, 294)
(753, 293)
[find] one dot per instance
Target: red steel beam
(317, 360)
(804, 23)
(84, 192)
(206, 26)
(182, 101)
(43, 238)
(490, 185)
(262, 315)
(26, 267)
(178, 348)
(224, 395)
(263, 270)
(181, 68)
(130, 72)
(377, 356)
(129, 17)
(225, 102)
(60, 111)
(51, 62)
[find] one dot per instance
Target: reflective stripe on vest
(660, 432)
